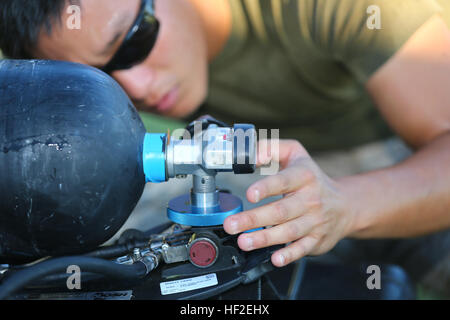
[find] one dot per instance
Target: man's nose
(137, 82)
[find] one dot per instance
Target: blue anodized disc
(181, 211)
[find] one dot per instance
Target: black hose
(60, 279)
(20, 279)
(113, 251)
(125, 248)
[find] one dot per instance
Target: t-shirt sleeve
(364, 34)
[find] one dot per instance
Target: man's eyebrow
(121, 26)
(112, 42)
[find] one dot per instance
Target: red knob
(203, 253)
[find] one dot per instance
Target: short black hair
(21, 23)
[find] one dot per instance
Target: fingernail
(248, 243)
(281, 259)
(256, 195)
(234, 226)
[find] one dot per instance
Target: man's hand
(409, 199)
(311, 213)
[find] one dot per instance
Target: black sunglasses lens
(136, 49)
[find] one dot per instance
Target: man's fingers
(280, 234)
(286, 181)
(294, 251)
(271, 214)
(281, 151)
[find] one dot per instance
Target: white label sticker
(176, 286)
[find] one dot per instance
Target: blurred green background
(160, 124)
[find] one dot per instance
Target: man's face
(172, 80)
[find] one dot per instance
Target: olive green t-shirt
(301, 66)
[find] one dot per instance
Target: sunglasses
(139, 41)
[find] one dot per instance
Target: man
(333, 74)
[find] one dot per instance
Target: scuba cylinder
(75, 157)
(71, 168)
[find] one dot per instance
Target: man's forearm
(409, 199)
